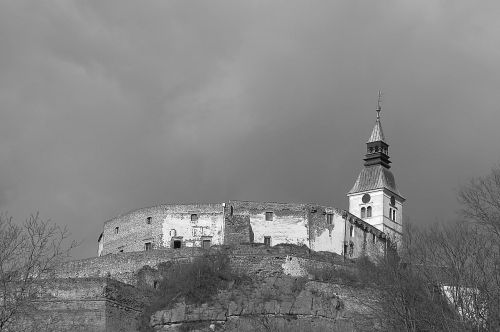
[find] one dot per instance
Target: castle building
(373, 219)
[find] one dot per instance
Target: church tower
(375, 197)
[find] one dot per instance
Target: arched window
(390, 213)
(363, 212)
(369, 212)
(394, 215)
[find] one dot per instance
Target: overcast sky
(109, 106)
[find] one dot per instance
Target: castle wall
(365, 239)
(325, 235)
(124, 266)
(131, 231)
(191, 224)
(289, 222)
(88, 304)
(237, 230)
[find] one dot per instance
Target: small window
(390, 213)
(394, 215)
(329, 218)
(205, 244)
(373, 238)
(177, 244)
(267, 241)
(148, 220)
(148, 246)
(155, 284)
(116, 230)
(363, 212)
(351, 231)
(369, 212)
(194, 217)
(231, 211)
(269, 216)
(121, 250)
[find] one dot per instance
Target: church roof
(375, 177)
(377, 133)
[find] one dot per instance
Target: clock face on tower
(366, 198)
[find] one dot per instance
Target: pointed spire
(377, 133)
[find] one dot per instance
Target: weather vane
(379, 102)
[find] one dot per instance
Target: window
(155, 284)
(173, 232)
(394, 215)
(205, 244)
(148, 220)
(177, 244)
(231, 211)
(329, 218)
(390, 213)
(373, 238)
(194, 217)
(369, 212)
(121, 250)
(269, 216)
(267, 241)
(363, 212)
(351, 231)
(148, 246)
(116, 230)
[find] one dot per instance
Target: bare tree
(28, 253)
(480, 200)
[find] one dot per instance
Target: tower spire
(379, 102)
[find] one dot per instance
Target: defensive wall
(84, 304)
(246, 258)
(320, 228)
(132, 230)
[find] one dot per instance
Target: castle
(374, 218)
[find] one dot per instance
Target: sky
(110, 106)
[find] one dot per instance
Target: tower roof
(377, 133)
(375, 177)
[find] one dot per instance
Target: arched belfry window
(363, 212)
(369, 212)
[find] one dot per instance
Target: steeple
(374, 196)
(377, 150)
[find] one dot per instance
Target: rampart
(84, 304)
(250, 258)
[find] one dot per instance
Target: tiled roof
(377, 133)
(375, 177)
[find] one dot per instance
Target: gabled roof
(377, 133)
(375, 177)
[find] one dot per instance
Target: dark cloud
(110, 106)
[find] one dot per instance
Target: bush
(194, 283)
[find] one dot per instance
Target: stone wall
(237, 230)
(124, 266)
(288, 221)
(86, 304)
(131, 231)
